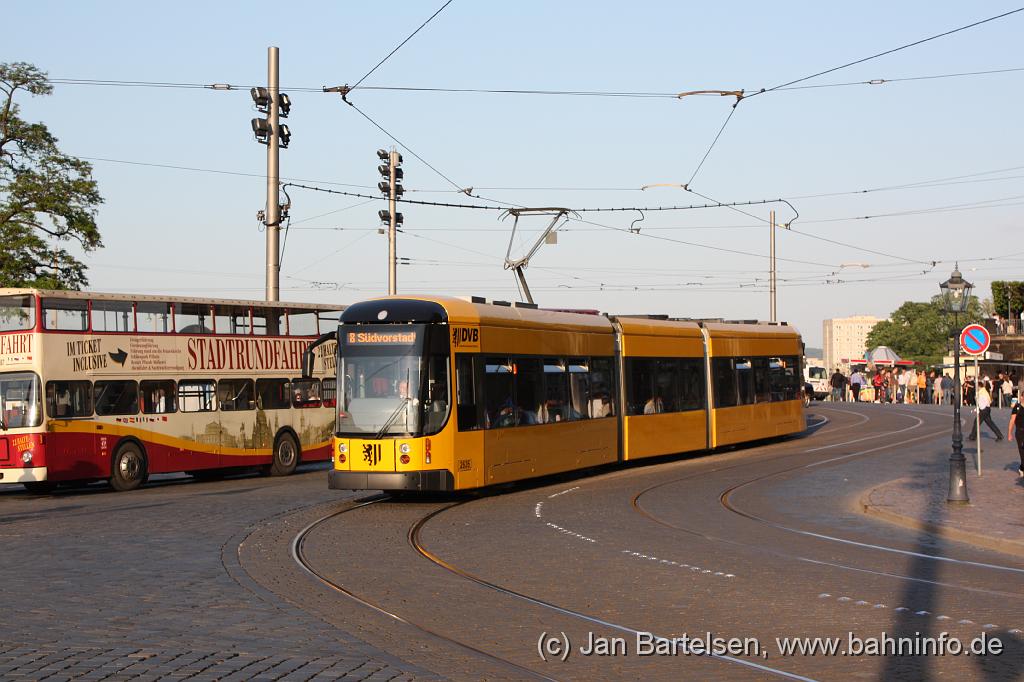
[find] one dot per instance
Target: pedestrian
(838, 381)
(911, 394)
(1006, 390)
(947, 389)
(901, 386)
(984, 409)
(922, 387)
(891, 385)
(856, 382)
(1016, 431)
(878, 383)
(969, 391)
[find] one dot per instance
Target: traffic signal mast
(269, 131)
(391, 185)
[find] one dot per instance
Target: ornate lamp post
(956, 293)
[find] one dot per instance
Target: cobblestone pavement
(995, 516)
(765, 542)
(196, 580)
(146, 585)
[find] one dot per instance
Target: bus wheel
(129, 468)
(286, 456)
(40, 487)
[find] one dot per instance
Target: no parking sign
(975, 339)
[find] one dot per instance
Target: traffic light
(261, 127)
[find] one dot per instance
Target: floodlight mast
(520, 264)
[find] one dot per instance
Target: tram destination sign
(975, 339)
(381, 338)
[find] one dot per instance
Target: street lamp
(956, 293)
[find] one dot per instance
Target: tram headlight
(404, 448)
(342, 448)
(26, 456)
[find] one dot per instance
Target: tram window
(17, 313)
(329, 392)
(467, 392)
(602, 388)
(784, 377)
(555, 405)
(306, 393)
(435, 409)
(529, 390)
(197, 396)
(692, 395)
(116, 397)
(272, 394)
(762, 392)
(67, 399)
(231, 320)
(500, 407)
(580, 399)
(158, 397)
(745, 380)
(724, 378)
(641, 382)
(302, 324)
(236, 395)
(193, 318)
(153, 317)
(113, 316)
(67, 314)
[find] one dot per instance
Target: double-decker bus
(448, 394)
(117, 387)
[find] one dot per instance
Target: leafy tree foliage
(922, 331)
(1000, 290)
(47, 198)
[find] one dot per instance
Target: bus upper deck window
(153, 317)
(193, 318)
(113, 316)
(66, 314)
(17, 313)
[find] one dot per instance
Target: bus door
(72, 445)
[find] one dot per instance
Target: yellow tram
(449, 394)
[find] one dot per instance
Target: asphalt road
(760, 543)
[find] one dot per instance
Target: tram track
(730, 505)
(299, 557)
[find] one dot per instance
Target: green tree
(47, 199)
(1000, 290)
(921, 331)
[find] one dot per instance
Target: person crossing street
(984, 406)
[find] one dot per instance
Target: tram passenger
(601, 405)
(654, 405)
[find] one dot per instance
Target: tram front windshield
(393, 383)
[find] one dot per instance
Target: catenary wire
(887, 52)
(399, 46)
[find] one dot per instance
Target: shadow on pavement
(917, 620)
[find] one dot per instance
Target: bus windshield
(20, 400)
(391, 385)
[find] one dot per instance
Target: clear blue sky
(191, 232)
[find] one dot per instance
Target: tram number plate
(465, 464)
(372, 453)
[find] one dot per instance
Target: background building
(845, 338)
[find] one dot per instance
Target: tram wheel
(286, 456)
(128, 470)
(40, 487)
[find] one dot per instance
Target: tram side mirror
(308, 356)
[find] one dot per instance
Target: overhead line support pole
(273, 181)
(774, 309)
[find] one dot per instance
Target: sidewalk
(994, 519)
